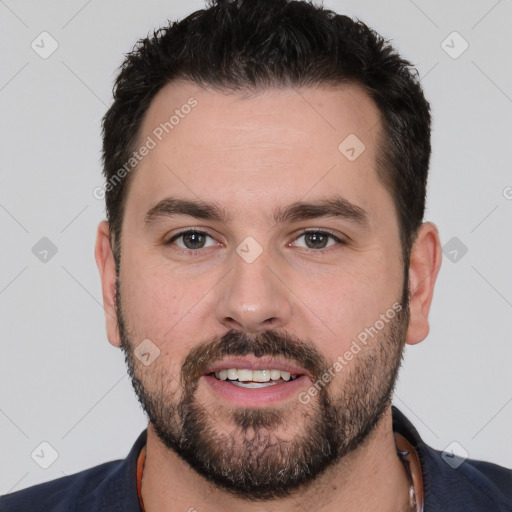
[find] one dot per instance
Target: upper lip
(256, 363)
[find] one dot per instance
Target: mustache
(267, 343)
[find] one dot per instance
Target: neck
(370, 478)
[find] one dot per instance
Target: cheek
(352, 299)
(165, 305)
(161, 379)
(152, 302)
(152, 307)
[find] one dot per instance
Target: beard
(267, 453)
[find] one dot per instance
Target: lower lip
(247, 397)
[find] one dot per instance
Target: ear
(425, 262)
(106, 265)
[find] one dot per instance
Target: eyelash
(338, 240)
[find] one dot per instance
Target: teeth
(243, 375)
(261, 375)
(253, 385)
(275, 374)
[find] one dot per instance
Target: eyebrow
(336, 206)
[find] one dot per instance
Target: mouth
(254, 379)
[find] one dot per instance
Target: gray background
(64, 384)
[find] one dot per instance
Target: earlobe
(107, 268)
(425, 262)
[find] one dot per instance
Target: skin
(251, 156)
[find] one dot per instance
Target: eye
(192, 240)
(317, 240)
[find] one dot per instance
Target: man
(263, 264)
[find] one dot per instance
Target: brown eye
(192, 240)
(317, 240)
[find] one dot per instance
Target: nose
(253, 297)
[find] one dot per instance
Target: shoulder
(61, 494)
(455, 484)
(111, 486)
(473, 483)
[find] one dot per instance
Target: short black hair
(253, 45)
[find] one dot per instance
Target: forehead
(280, 144)
(299, 114)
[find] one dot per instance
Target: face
(262, 265)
